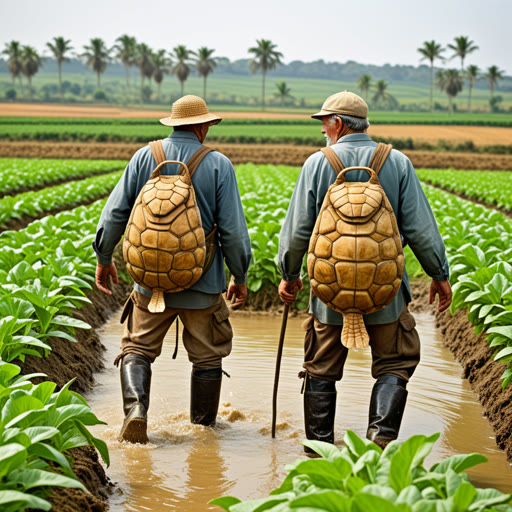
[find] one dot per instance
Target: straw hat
(190, 110)
(344, 102)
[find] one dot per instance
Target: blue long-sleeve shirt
(218, 200)
(403, 189)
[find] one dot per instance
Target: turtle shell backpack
(164, 247)
(355, 258)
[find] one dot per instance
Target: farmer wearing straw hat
(394, 341)
(207, 331)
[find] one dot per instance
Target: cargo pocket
(408, 339)
(221, 326)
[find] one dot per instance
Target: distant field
(271, 131)
(311, 91)
(40, 113)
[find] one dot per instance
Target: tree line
(153, 65)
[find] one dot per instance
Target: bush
(10, 94)
(100, 95)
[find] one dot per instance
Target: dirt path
(241, 153)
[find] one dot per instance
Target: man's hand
(444, 290)
(237, 292)
(102, 273)
(288, 291)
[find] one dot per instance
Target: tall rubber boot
(135, 387)
(319, 410)
(205, 395)
(387, 406)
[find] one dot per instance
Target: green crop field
(229, 89)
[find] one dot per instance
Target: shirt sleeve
(231, 225)
(418, 225)
(116, 213)
(299, 222)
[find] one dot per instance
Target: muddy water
(185, 465)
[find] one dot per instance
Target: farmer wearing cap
(394, 342)
(207, 331)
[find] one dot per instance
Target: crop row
(72, 193)
(44, 272)
(487, 186)
(399, 118)
(243, 133)
(23, 173)
(362, 477)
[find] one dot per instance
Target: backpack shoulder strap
(157, 149)
(333, 159)
(379, 157)
(197, 158)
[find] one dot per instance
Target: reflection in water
(185, 465)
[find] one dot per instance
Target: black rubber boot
(319, 410)
(205, 395)
(387, 406)
(135, 386)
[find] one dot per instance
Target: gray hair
(358, 124)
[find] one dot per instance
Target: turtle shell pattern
(355, 260)
(164, 243)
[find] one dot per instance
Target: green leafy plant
(362, 477)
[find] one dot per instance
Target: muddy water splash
(185, 465)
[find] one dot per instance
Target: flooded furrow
(185, 465)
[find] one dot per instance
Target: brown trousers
(207, 333)
(395, 348)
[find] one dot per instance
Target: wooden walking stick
(278, 367)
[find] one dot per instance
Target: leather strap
(379, 157)
(157, 149)
(333, 159)
(197, 158)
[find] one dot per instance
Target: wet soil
(483, 374)
(283, 154)
(85, 358)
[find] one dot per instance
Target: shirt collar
(355, 137)
(184, 135)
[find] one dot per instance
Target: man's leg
(140, 346)
(324, 358)
(207, 336)
(395, 353)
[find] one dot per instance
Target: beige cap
(190, 110)
(346, 103)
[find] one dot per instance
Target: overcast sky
(367, 31)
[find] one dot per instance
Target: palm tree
(144, 61)
(431, 51)
(283, 92)
(363, 84)
(265, 59)
(30, 64)
(380, 91)
(161, 65)
(125, 49)
(97, 56)
(13, 51)
(463, 45)
(451, 82)
(205, 64)
(493, 75)
(182, 55)
(59, 47)
(472, 74)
